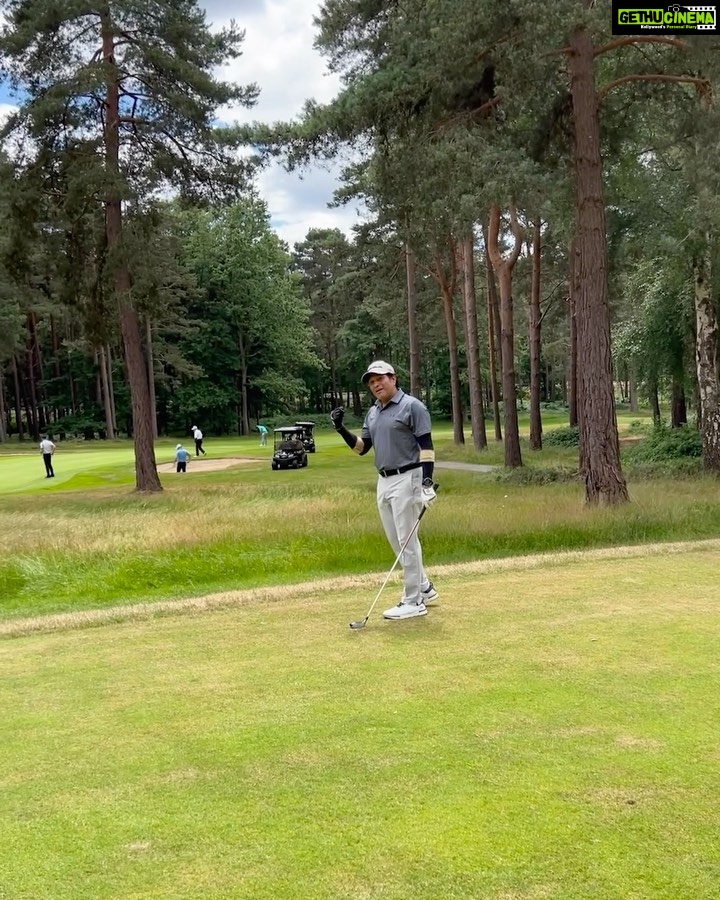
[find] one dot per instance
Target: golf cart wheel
(304, 462)
(275, 466)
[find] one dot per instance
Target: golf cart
(289, 451)
(307, 435)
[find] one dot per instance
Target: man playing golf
(397, 426)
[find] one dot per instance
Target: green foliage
(79, 425)
(562, 437)
(540, 475)
(664, 443)
(253, 335)
(164, 66)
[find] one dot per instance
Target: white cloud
(279, 56)
(299, 202)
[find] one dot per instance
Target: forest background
(542, 227)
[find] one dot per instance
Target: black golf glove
(337, 416)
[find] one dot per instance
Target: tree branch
(702, 84)
(633, 39)
(462, 117)
(517, 232)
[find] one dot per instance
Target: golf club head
(361, 623)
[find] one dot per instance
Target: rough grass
(251, 528)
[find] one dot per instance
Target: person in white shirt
(198, 438)
(47, 448)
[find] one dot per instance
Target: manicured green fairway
(80, 465)
(24, 471)
(548, 731)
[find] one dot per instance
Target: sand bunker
(203, 464)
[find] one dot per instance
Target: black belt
(386, 472)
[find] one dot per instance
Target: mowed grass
(549, 730)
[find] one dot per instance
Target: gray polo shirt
(394, 430)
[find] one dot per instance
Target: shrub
(562, 437)
(559, 405)
(537, 476)
(663, 443)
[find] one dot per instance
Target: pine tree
(121, 95)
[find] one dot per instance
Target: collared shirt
(182, 455)
(394, 429)
(47, 446)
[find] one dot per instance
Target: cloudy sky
(278, 55)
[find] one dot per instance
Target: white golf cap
(379, 367)
(179, 446)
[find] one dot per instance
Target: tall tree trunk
(535, 324)
(146, 474)
(706, 359)
(3, 411)
(477, 411)
(17, 399)
(151, 375)
(493, 317)
(678, 406)
(55, 345)
(244, 404)
(31, 395)
(71, 386)
(632, 392)
(599, 443)
(573, 352)
(504, 269)
(654, 400)
(413, 341)
(446, 283)
(111, 389)
(105, 390)
(39, 373)
(57, 368)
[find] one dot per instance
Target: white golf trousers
(399, 500)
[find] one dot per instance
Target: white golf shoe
(429, 594)
(405, 611)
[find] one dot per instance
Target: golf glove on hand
(428, 492)
(337, 416)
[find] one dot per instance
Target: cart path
(308, 590)
(466, 467)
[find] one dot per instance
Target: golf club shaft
(397, 560)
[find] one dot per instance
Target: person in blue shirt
(181, 458)
(263, 435)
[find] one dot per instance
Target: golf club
(362, 622)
